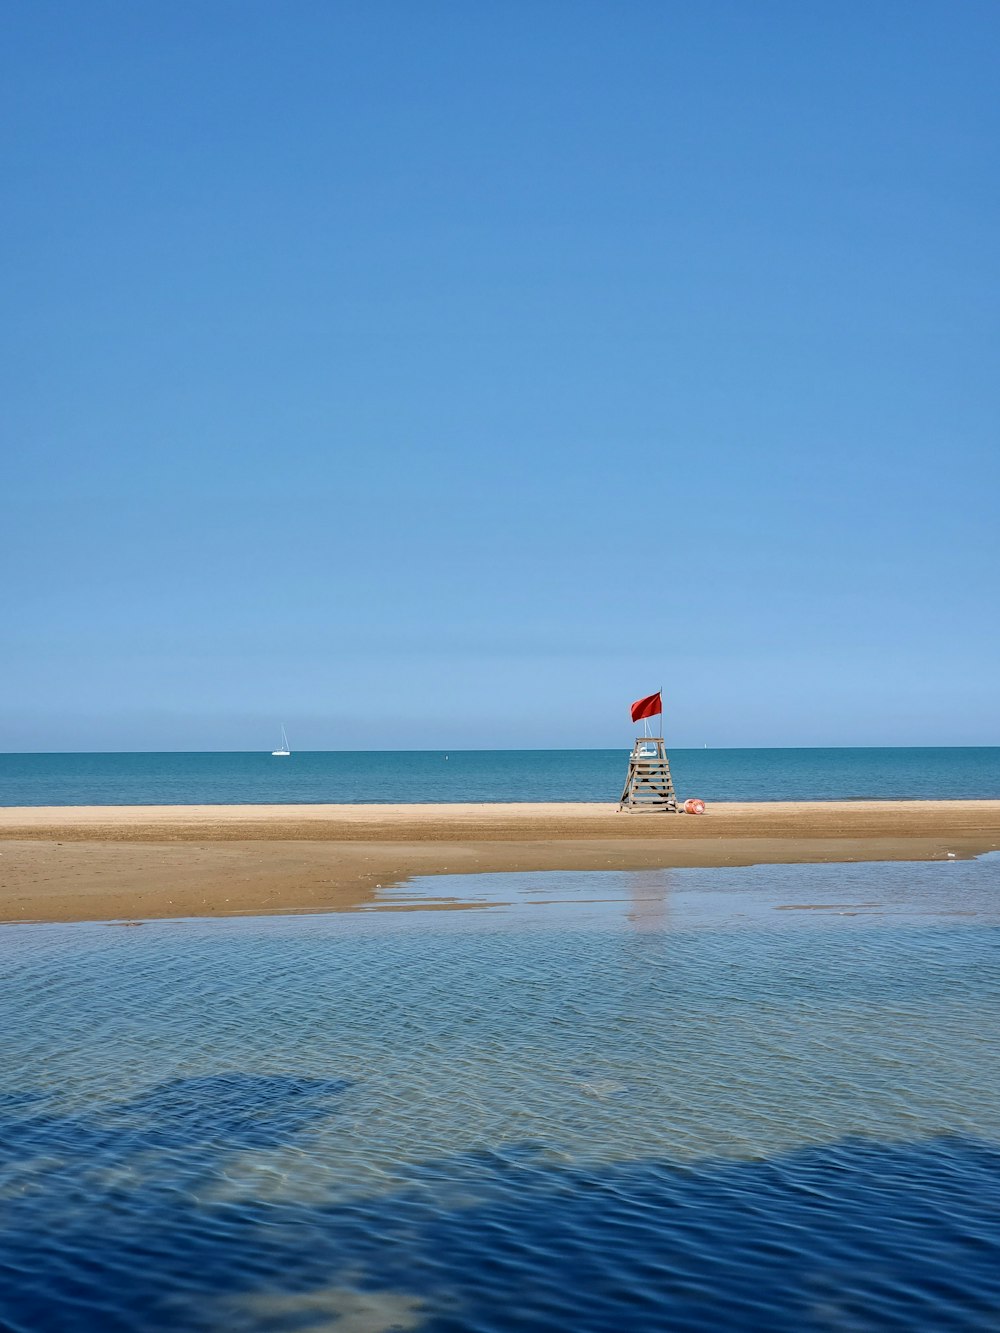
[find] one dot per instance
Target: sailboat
(283, 749)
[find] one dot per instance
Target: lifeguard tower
(649, 785)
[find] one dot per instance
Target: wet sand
(103, 863)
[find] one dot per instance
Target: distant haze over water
(388, 776)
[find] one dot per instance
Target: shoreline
(108, 863)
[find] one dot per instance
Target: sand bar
(99, 863)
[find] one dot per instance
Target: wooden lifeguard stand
(649, 785)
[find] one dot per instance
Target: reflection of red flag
(648, 707)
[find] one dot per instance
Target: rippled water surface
(667, 1100)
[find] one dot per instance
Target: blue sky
(453, 374)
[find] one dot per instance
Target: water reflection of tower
(648, 892)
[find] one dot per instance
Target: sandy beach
(102, 863)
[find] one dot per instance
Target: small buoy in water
(694, 806)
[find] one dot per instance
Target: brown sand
(100, 863)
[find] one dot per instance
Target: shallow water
(679, 1099)
(381, 776)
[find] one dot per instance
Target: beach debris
(694, 806)
(950, 856)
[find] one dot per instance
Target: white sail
(282, 749)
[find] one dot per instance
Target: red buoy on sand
(694, 806)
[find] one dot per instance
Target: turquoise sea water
(490, 775)
(689, 1099)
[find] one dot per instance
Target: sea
(686, 1099)
(695, 1099)
(391, 776)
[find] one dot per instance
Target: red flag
(648, 707)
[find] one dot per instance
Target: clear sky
(453, 374)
